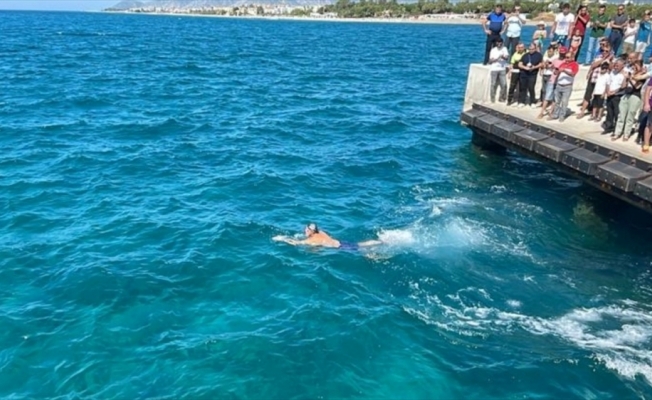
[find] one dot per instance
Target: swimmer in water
(318, 238)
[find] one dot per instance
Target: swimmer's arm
(293, 242)
(305, 242)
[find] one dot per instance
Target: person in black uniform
(529, 66)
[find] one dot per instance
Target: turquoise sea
(146, 162)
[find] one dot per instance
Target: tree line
(394, 9)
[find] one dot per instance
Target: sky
(69, 5)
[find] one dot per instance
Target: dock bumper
(468, 117)
(584, 161)
(617, 174)
(526, 138)
(620, 175)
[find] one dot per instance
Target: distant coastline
(438, 19)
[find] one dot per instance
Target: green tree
(299, 12)
(369, 8)
(342, 4)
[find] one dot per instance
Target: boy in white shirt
(599, 92)
(498, 67)
(631, 31)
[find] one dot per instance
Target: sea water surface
(146, 163)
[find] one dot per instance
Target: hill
(127, 4)
(190, 4)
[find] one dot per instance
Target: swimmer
(318, 238)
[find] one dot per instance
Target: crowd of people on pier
(618, 88)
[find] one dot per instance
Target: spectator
(629, 40)
(599, 92)
(603, 43)
(615, 90)
(599, 24)
(618, 23)
(630, 59)
(555, 47)
(606, 52)
(592, 77)
(530, 64)
(498, 64)
(643, 116)
(630, 103)
(647, 106)
(579, 27)
(513, 32)
(576, 43)
(643, 39)
(567, 70)
(561, 26)
(548, 92)
(540, 35)
(514, 73)
(494, 26)
(546, 72)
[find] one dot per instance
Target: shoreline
(434, 21)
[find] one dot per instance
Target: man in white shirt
(615, 91)
(498, 66)
(513, 33)
(561, 27)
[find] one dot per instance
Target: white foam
(514, 303)
(528, 209)
(397, 237)
(449, 202)
(460, 233)
(627, 368)
(424, 239)
(443, 222)
(618, 336)
(435, 212)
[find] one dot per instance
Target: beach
(441, 20)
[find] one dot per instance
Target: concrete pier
(576, 147)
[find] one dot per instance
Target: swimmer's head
(311, 229)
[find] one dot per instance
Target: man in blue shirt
(494, 25)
